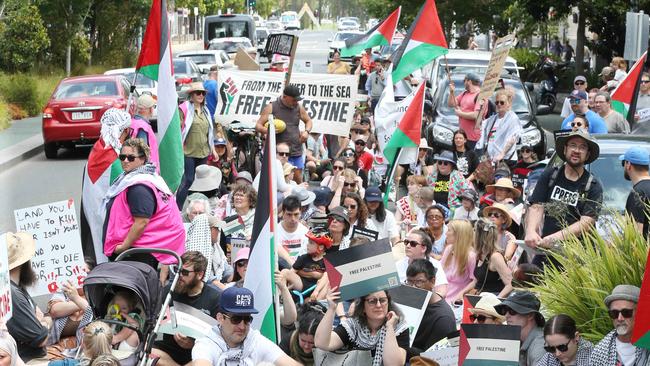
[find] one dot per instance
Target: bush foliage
(24, 39)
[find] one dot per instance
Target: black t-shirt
(24, 327)
(636, 204)
(566, 201)
(466, 162)
(441, 189)
(306, 263)
(438, 321)
(348, 342)
(207, 301)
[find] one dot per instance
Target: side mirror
(543, 109)
(530, 86)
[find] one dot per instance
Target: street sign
(280, 43)
(636, 35)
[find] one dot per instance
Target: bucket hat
(305, 196)
(594, 148)
(20, 248)
(522, 302)
(503, 183)
(445, 155)
(207, 178)
(196, 86)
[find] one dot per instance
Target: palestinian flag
(101, 170)
(155, 62)
(425, 41)
(263, 256)
(380, 35)
(641, 332)
(625, 95)
(406, 136)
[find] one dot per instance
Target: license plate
(82, 115)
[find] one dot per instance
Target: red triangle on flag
(388, 26)
(428, 28)
(625, 90)
(642, 317)
(333, 275)
(411, 123)
(101, 157)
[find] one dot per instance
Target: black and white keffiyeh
(605, 354)
(582, 356)
(362, 338)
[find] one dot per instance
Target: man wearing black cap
(466, 107)
(287, 109)
(522, 308)
(233, 342)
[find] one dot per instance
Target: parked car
(73, 112)
(338, 42)
(230, 45)
(228, 25)
(387, 50)
(371, 23)
(259, 21)
(349, 25)
(290, 20)
(185, 72)
(143, 85)
(274, 26)
(439, 133)
(205, 59)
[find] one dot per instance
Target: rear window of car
(180, 67)
(202, 59)
(230, 46)
(80, 89)
(228, 29)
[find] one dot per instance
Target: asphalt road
(37, 180)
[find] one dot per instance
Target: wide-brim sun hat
(505, 183)
(305, 196)
(207, 178)
(594, 148)
(20, 248)
(196, 86)
(445, 155)
(499, 207)
(486, 306)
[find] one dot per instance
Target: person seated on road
(282, 154)
(348, 182)
(447, 181)
(298, 342)
(468, 209)
(417, 245)
(383, 219)
(578, 100)
(500, 215)
(563, 343)
(310, 267)
(503, 191)
(70, 313)
(438, 320)
(234, 340)
(316, 160)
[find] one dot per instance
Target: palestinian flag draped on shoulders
(424, 42)
(262, 259)
(379, 35)
(155, 62)
(624, 97)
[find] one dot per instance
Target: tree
(24, 39)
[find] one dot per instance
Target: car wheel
(549, 100)
(51, 150)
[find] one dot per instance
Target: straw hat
(287, 168)
(424, 144)
(486, 306)
(20, 248)
(196, 86)
(501, 208)
(503, 183)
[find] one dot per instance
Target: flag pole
(274, 215)
(391, 174)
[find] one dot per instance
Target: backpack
(556, 171)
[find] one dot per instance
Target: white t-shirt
(263, 351)
(388, 228)
(462, 214)
(279, 174)
(441, 278)
(296, 242)
(626, 351)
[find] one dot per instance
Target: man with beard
(567, 199)
(616, 347)
(636, 162)
(190, 290)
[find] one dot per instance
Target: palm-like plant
(592, 266)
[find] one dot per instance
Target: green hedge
(20, 89)
(5, 118)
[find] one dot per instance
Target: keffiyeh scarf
(605, 354)
(362, 337)
(114, 121)
(582, 356)
(146, 172)
(239, 355)
(198, 238)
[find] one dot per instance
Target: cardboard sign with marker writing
(58, 256)
(5, 285)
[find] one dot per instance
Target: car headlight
(442, 134)
(531, 137)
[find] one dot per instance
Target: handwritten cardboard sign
(58, 256)
(5, 285)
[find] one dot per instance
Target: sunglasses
(381, 300)
(494, 214)
(577, 124)
(242, 263)
(351, 207)
(283, 153)
(349, 184)
(645, 81)
(500, 102)
(199, 93)
(506, 310)
(337, 167)
(185, 272)
(435, 217)
(575, 101)
(528, 150)
(560, 347)
(130, 158)
(348, 154)
(236, 319)
(579, 83)
(360, 143)
(479, 318)
(445, 163)
(627, 313)
(411, 243)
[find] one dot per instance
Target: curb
(20, 152)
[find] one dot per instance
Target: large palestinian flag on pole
(263, 256)
(624, 97)
(101, 170)
(379, 35)
(406, 136)
(641, 331)
(155, 62)
(424, 42)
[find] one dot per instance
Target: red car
(72, 114)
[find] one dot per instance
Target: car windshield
(141, 81)
(202, 59)
(349, 24)
(230, 46)
(181, 67)
(465, 66)
(343, 36)
(288, 18)
(79, 89)
(228, 29)
(519, 102)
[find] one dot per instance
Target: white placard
(5, 285)
(444, 357)
(58, 256)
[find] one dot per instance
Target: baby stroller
(140, 279)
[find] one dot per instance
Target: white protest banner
(362, 269)
(388, 114)
(412, 302)
(495, 68)
(58, 256)
(187, 320)
(328, 99)
(489, 344)
(444, 356)
(5, 285)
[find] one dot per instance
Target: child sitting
(468, 210)
(123, 307)
(310, 267)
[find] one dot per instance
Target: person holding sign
(140, 210)
(28, 325)
(376, 324)
(288, 109)
(500, 132)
